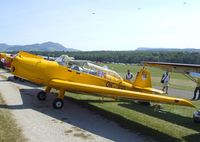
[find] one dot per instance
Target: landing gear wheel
(42, 96)
(58, 103)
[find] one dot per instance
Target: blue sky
(102, 24)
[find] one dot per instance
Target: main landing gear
(57, 103)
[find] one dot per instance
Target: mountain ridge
(167, 49)
(45, 46)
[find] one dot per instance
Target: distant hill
(46, 46)
(167, 49)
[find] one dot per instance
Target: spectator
(165, 80)
(129, 75)
(196, 90)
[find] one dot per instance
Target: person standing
(196, 90)
(129, 75)
(165, 80)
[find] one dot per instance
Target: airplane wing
(189, 70)
(116, 93)
(175, 67)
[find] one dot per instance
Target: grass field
(171, 123)
(9, 132)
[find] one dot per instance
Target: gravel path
(41, 123)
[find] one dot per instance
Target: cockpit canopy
(87, 67)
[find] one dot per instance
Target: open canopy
(87, 67)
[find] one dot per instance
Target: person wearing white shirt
(129, 75)
(165, 80)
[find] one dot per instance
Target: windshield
(100, 71)
(63, 59)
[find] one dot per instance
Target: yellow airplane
(82, 76)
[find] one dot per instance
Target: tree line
(129, 56)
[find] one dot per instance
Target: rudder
(143, 79)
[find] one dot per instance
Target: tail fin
(143, 79)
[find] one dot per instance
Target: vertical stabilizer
(143, 79)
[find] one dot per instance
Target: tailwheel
(58, 103)
(42, 95)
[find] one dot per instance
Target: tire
(58, 103)
(42, 96)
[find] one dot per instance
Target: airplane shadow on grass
(164, 115)
(192, 138)
(73, 114)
